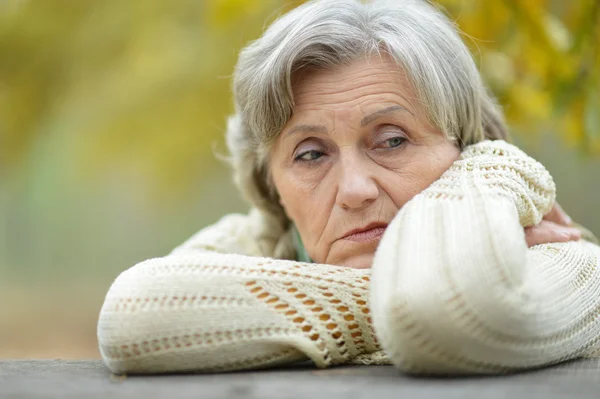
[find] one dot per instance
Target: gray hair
(330, 33)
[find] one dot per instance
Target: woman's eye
(311, 155)
(394, 142)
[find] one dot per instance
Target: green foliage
(142, 88)
(542, 59)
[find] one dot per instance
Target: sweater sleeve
(197, 310)
(455, 288)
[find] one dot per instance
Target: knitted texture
(455, 289)
(214, 312)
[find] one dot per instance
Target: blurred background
(111, 113)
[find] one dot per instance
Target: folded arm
(205, 311)
(455, 288)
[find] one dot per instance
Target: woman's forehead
(362, 84)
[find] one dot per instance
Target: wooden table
(87, 379)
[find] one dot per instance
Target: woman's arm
(455, 288)
(205, 311)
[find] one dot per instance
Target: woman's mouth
(368, 233)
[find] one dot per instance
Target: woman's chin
(363, 261)
(357, 255)
(355, 261)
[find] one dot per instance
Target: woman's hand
(555, 227)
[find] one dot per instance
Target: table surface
(91, 379)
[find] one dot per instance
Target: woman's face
(356, 149)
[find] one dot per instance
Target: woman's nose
(357, 188)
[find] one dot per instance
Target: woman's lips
(366, 235)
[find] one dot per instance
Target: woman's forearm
(197, 311)
(456, 290)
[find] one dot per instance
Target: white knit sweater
(453, 289)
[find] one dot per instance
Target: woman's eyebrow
(308, 129)
(378, 114)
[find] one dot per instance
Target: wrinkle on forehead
(360, 80)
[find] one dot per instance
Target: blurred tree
(142, 88)
(541, 58)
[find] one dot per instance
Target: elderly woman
(387, 224)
